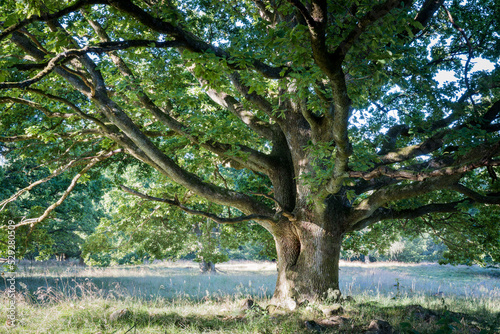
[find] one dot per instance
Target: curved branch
(403, 174)
(475, 196)
(442, 166)
(48, 17)
(68, 55)
(169, 168)
(230, 103)
(391, 136)
(215, 218)
(94, 160)
(47, 112)
(436, 141)
(256, 160)
(192, 42)
(377, 12)
(55, 173)
(388, 214)
(77, 110)
(59, 135)
(257, 100)
(51, 65)
(397, 192)
(29, 47)
(236, 108)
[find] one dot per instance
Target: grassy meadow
(173, 297)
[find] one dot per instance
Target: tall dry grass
(64, 297)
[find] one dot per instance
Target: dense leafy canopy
(316, 119)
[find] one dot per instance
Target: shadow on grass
(417, 319)
(172, 322)
(413, 319)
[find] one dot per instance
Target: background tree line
(102, 226)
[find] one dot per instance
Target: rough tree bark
(308, 263)
(207, 267)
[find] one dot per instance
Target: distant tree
(404, 248)
(335, 104)
(136, 228)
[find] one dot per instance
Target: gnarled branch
(475, 196)
(403, 174)
(49, 16)
(388, 214)
(215, 218)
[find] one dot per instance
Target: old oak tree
(334, 104)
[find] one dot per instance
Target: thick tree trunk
(207, 267)
(308, 263)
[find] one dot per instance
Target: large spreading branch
(48, 16)
(168, 167)
(437, 140)
(388, 214)
(475, 196)
(137, 142)
(215, 218)
(405, 174)
(446, 174)
(161, 161)
(194, 43)
(253, 159)
(366, 208)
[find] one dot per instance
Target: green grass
(175, 298)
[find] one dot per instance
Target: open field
(172, 297)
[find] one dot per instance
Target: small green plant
(407, 327)
(446, 323)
